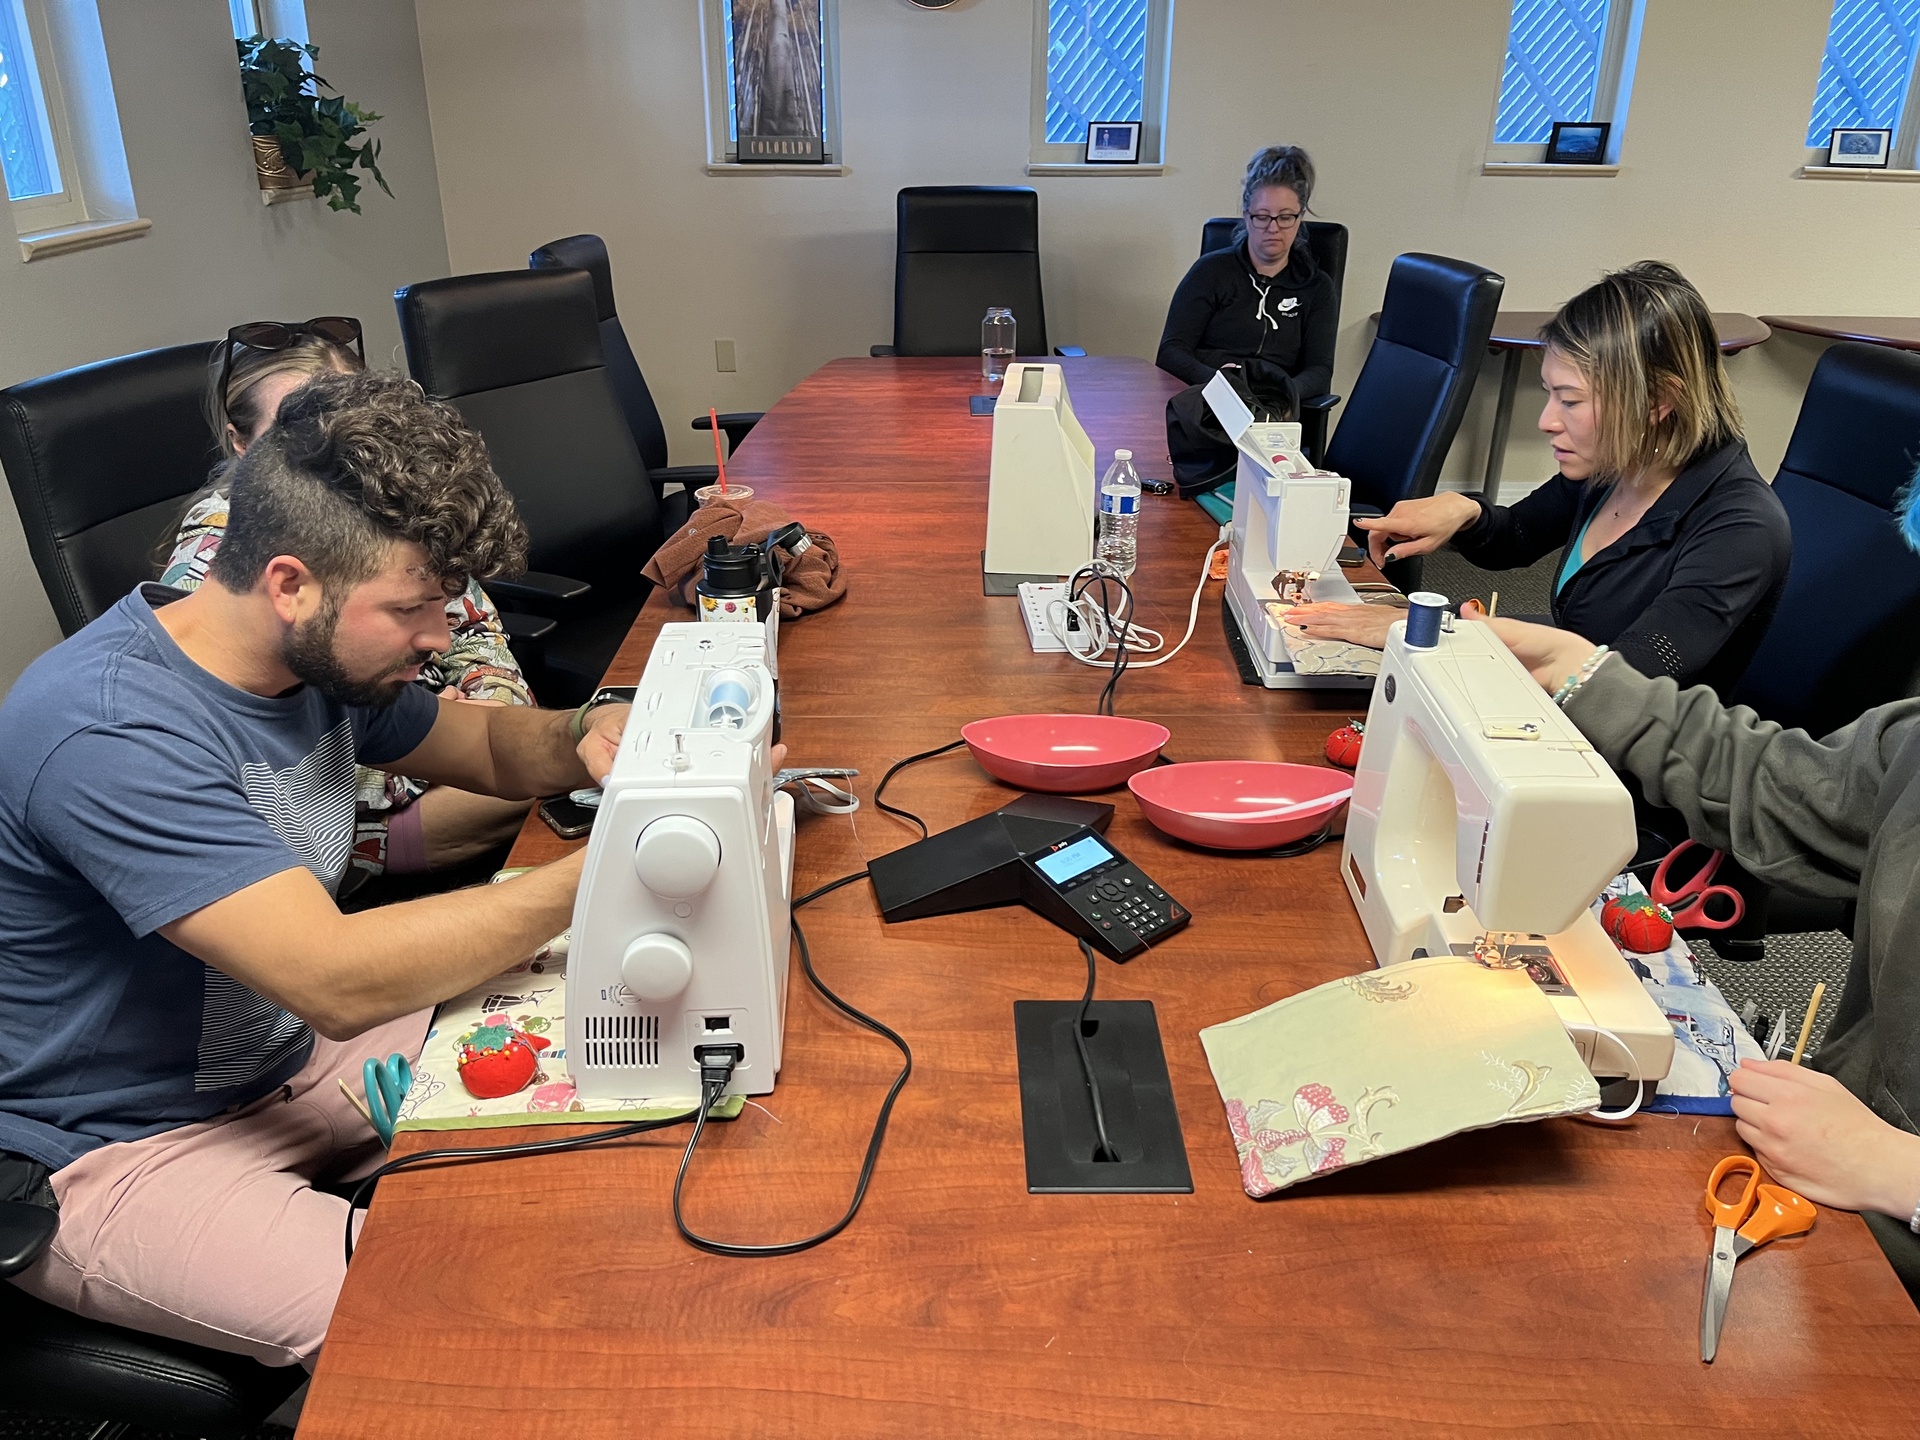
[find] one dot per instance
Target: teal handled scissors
(387, 1082)
(1758, 1214)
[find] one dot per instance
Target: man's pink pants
(213, 1233)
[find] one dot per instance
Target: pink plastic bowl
(1064, 754)
(1240, 804)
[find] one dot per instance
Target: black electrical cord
(507, 1152)
(713, 1083)
(1105, 1150)
(1300, 847)
(878, 1138)
(1118, 621)
(879, 803)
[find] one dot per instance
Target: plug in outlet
(723, 356)
(1034, 599)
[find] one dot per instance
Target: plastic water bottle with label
(1117, 545)
(996, 343)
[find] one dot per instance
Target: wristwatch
(605, 695)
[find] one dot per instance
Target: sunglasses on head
(270, 335)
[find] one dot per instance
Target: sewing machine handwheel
(677, 856)
(657, 967)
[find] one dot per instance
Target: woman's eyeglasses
(1286, 220)
(269, 335)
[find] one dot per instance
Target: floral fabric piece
(530, 999)
(1373, 1064)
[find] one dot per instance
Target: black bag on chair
(1203, 454)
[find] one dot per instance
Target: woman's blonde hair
(1643, 337)
(309, 355)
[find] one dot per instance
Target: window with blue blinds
(1554, 54)
(26, 144)
(1866, 73)
(1096, 64)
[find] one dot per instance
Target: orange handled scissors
(1760, 1213)
(1688, 901)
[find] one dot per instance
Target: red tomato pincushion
(1638, 924)
(1343, 745)
(497, 1060)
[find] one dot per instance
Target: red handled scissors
(1758, 1214)
(1688, 902)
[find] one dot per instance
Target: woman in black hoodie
(1263, 311)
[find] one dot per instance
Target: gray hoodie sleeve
(1796, 811)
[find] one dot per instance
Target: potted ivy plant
(299, 136)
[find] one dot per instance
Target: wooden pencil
(1806, 1025)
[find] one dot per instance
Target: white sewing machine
(1040, 488)
(1288, 522)
(1482, 822)
(680, 924)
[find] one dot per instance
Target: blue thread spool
(1424, 609)
(728, 701)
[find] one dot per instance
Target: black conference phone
(1041, 851)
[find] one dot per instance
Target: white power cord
(1088, 637)
(1639, 1085)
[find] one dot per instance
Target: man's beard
(308, 652)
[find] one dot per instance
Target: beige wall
(215, 255)
(587, 115)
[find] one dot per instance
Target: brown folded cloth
(810, 581)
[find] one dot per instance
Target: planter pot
(272, 169)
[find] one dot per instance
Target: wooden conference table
(1897, 332)
(1517, 330)
(1533, 1278)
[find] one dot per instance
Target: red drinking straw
(719, 459)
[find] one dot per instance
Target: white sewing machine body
(1040, 489)
(1289, 520)
(1478, 809)
(680, 925)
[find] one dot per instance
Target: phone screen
(567, 818)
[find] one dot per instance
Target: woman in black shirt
(1263, 311)
(1676, 549)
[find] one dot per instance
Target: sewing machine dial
(677, 856)
(657, 967)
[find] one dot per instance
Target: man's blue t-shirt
(136, 788)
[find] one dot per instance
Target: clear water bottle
(996, 343)
(1117, 545)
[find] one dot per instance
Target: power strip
(1034, 600)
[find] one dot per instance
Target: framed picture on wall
(779, 102)
(1113, 142)
(1861, 149)
(1584, 143)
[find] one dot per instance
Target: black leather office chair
(1327, 239)
(1847, 634)
(589, 253)
(518, 353)
(101, 460)
(56, 1364)
(959, 250)
(1412, 391)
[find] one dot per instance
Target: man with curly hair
(180, 995)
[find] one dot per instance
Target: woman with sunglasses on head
(1676, 550)
(405, 827)
(1262, 311)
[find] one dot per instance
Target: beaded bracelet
(1585, 673)
(1914, 1223)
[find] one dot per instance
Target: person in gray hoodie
(1838, 817)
